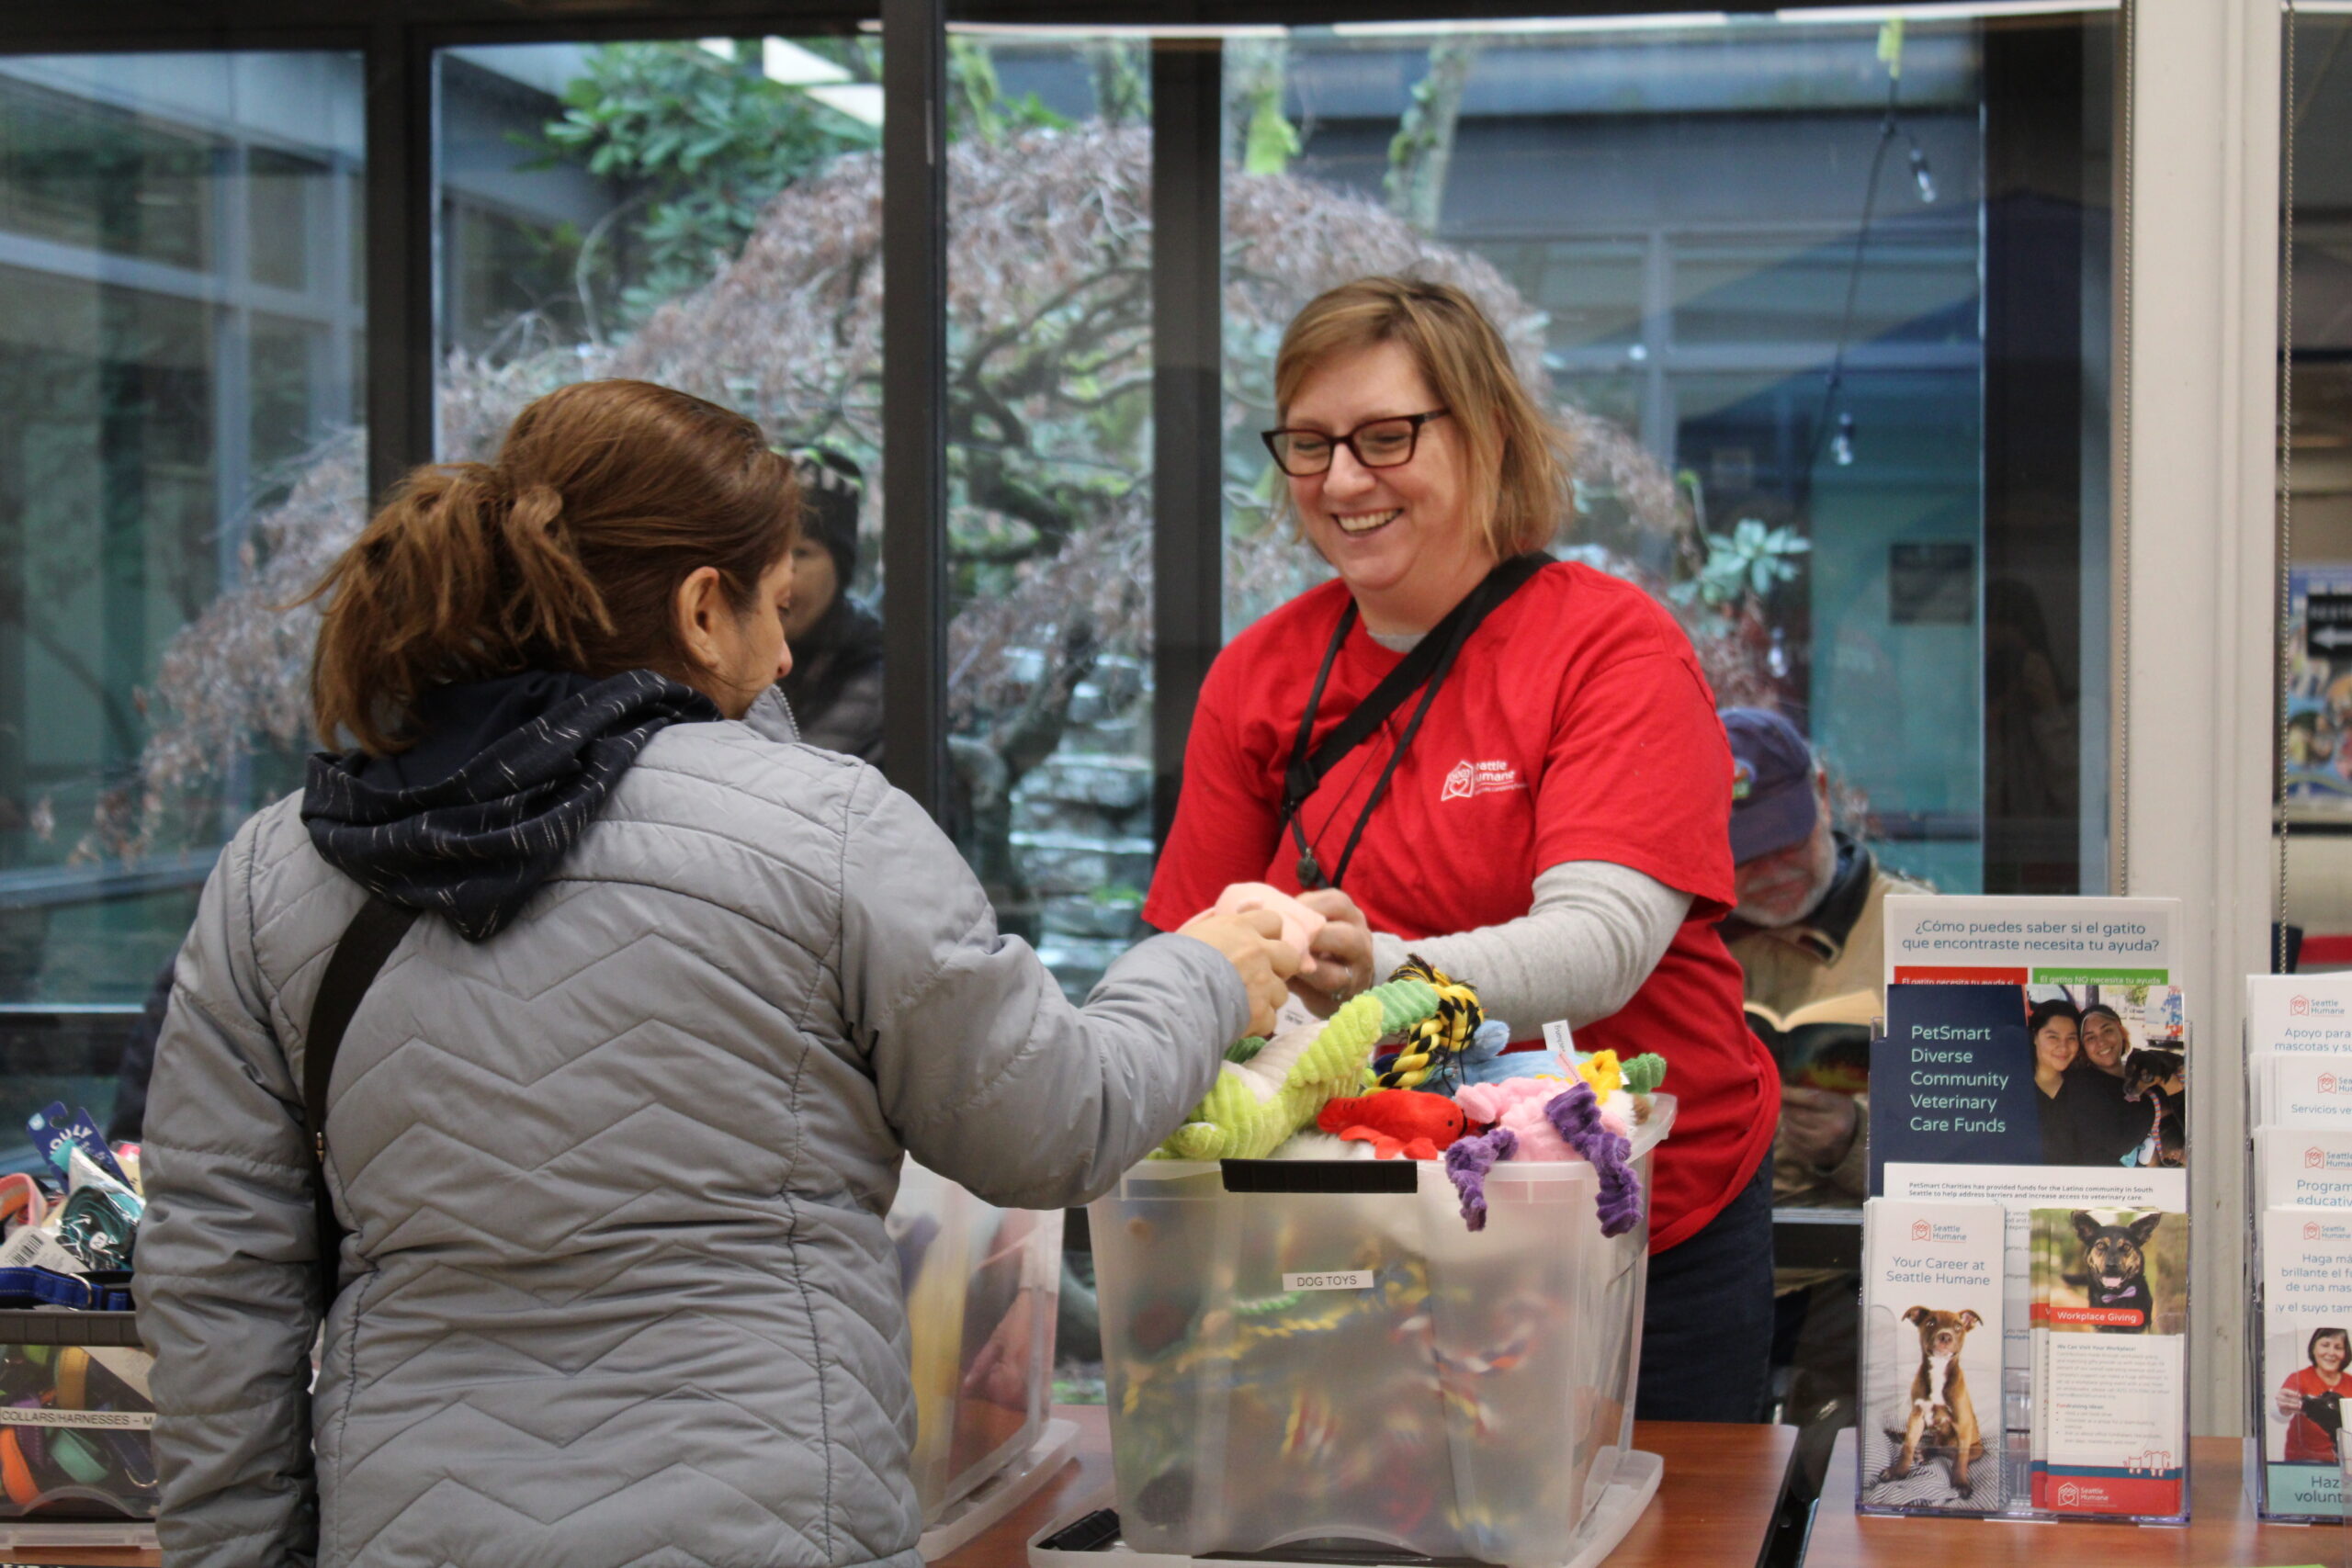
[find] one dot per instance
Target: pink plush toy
(1518, 1104)
(1299, 922)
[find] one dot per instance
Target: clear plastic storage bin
(982, 1285)
(76, 1427)
(1289, 1366)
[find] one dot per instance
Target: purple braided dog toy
(1467, 1160)
(1577, 1113)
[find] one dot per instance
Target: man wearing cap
(1809, 928)
(835, 686)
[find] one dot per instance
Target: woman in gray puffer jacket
(614, 1130)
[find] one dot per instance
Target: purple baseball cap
(1772, 784)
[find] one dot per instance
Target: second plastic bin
(982, 1284)
(76, 1464)
(1299, 1367)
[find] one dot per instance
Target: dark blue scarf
(505, 777)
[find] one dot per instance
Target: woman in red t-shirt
(1546, 814)
(2309, 1400)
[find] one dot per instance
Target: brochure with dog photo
(2306, 1363)
(2092, 1075)
(2111, 1289)
(1931, 1429)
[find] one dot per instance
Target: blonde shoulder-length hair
(1517, 458)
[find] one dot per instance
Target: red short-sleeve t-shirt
(1575, 725)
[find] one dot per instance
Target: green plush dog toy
(1258, 1102)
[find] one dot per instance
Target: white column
(2199, 591)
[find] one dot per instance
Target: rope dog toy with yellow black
(1433, 1044)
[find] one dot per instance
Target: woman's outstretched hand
(1252, 942)
(1342, 952)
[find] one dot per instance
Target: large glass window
(2317, 771)
(1824, 303)
(179, 335)
(1050, 499)
(700, 212)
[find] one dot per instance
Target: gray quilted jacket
(617, 1290)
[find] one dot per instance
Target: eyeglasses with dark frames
(1376, 444)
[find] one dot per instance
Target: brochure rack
(2026, 1311)
(982, 1284)
(2298, 1264)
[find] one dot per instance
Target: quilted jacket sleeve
(226, 1256)
(986, 1071)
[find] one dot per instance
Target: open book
(1823, 1045)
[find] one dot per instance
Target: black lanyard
(1424, 668)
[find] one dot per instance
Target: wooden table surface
(2222, 1531)
(1716, 1506)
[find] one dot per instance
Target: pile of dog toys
(73, 1417)
(68, 1231)
(1412, 1069)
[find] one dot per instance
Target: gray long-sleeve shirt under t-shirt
(1595, 933)
(1591, 936)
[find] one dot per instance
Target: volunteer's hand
(1816, 1124)
(1342, 952)
(2290, 1402)
(1253, 944)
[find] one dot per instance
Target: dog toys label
(1931, 1424)
(1337, 1279)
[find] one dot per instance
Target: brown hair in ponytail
(565, 554)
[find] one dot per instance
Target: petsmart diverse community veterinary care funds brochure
(1931, 1428)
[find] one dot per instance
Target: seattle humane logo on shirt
(1468, 778)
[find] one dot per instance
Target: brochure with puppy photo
(1931, 1428)
(2306, 1360)
(2111, 1291)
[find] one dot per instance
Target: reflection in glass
(2318, 762)
(176, 341)
(1049, 487)
(1823, 304)
(702, 213)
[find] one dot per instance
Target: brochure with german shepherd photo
(1930, 1431)
(2110, 1293)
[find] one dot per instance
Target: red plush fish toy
(1396, 1122)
